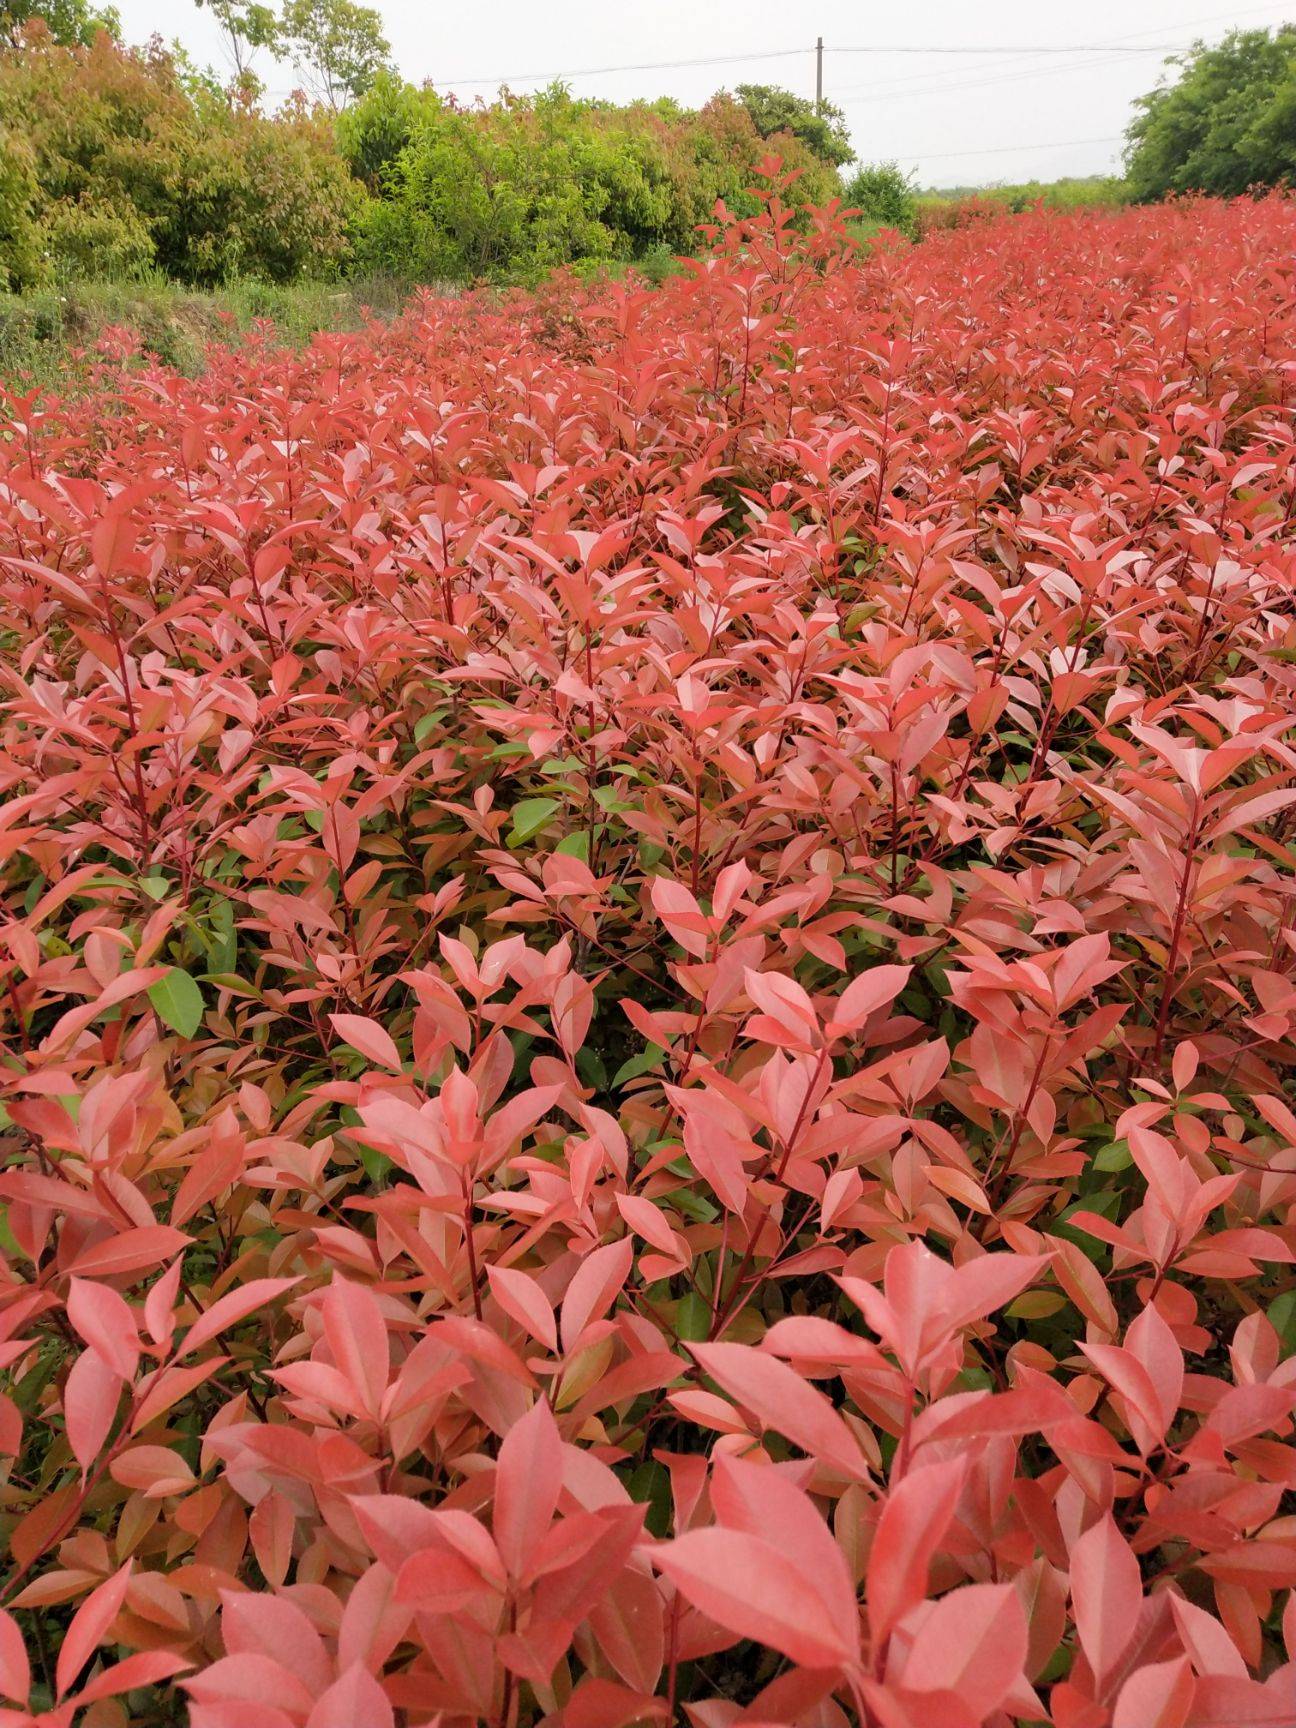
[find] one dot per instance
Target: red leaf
(357, 1338)
(90, 1399)
(272, 1626)
(528, 1480)
(131, 1251)
(523, 1300)
(595, 1286)
(89, 1626)
(356, 1700)
(144, 1669)
(876, 988)
(15, 1669)
(105, 1321)
(234, 1306)
(785, 1402)
(754, 1591)
(971, 1644)
(1106, 1596)
(369, 1038)
(915, 1517)
(1159, 1696)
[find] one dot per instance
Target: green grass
(48, 336)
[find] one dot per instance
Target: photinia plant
(647, 997)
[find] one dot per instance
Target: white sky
(953, 118)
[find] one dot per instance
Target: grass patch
(55, 338)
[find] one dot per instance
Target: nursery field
(647, 989)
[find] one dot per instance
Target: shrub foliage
(138, 165)
(526, 184)
(1225, 124)
(647, 1002)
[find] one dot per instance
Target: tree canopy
(69, 22)
(1227, 124)
(338, 47)
(823, 130)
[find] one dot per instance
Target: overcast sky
(954, 118)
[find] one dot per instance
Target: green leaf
(529, 817)
(1282, 1317)
(693, 1205)
(643, 1063)
(692, 1318)
(649, 1484)
(231, 981)
(426, 722)
(178, 1001)
(575, 845)
(376, 1164)
(1116, 1156)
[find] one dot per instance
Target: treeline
(121, 162)
(1224, 124)
(115, 161)
(118, 161)
(537, 181)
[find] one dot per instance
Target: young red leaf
(528, 1480)
(104, 1319)
(369, 1038)
(15, 1669)
(89, 1626)
(234, 1306)
(754, 1591)
(915, 1516)
(1106, 1595)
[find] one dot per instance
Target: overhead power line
(938, 84)
(936, 81)
(1126, 44)
(808, 49)
(637, 66)
(1018, 48)
(1005, 149)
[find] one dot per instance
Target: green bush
(510, 191)
(117, 162)
(137, 163)
(22, 259)
(821, 127)
(1227, 125)
(884, 196)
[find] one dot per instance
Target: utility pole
(819, 76)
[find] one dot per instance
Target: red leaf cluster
(647, 996)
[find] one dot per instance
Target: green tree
(138, 164)
(374, 130)
(68, 21)
(823, 131)
(22, 261)
(337, 45)
(509, 191)
(1227, 123)
(245, 26)
(883, 193)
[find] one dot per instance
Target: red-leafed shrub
(648, 997)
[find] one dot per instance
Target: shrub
(647, 1001)
(1225, 124)
(510, 191)
(777, 113)
(138, 163)
(883, 194)
(22, 262)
